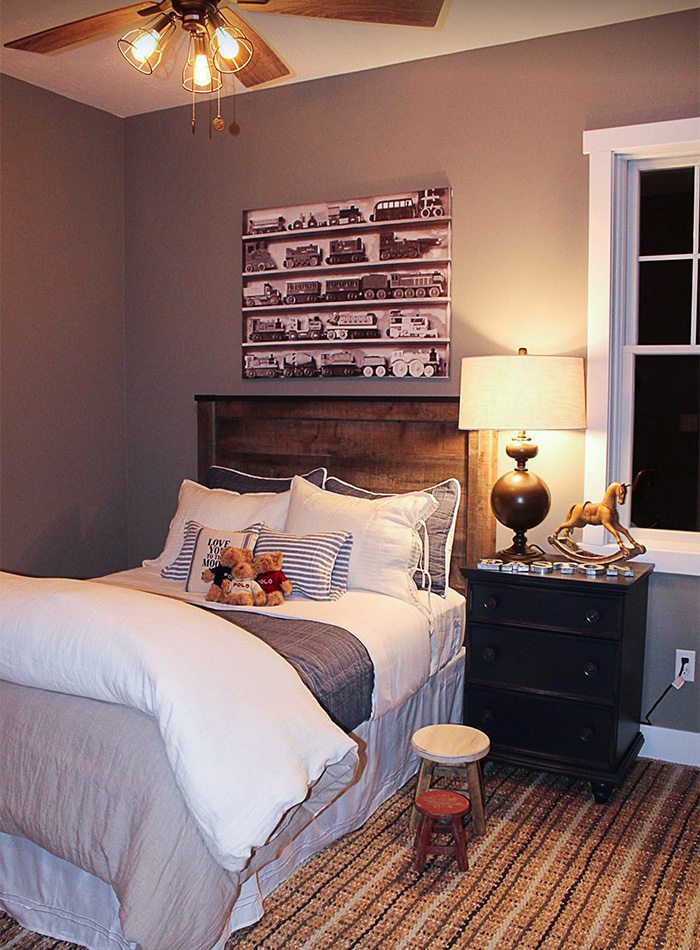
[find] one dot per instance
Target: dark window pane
(665, 295)
(666, 211)
(666, 447)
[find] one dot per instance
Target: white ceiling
(95, 73)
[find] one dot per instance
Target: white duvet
(245, 738)
(406, 644)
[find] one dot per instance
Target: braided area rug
(554, 870)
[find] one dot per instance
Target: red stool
(446, 810)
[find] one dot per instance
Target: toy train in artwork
(304, 222)
(411, 324)
(352, 326)
(407, 324)
(366, 287)
(267, 225)
(343, 363)
(350, 251)
(391, 246)
(270, 297)
(429, 203)
(305, 255)
(346, 251)
(263, 329)
(338, 216)
(257, 256)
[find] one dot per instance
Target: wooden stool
(450, 748)
(446, 809)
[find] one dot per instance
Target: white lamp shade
(522, 392)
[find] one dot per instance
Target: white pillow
(385, 547)
(228, 510)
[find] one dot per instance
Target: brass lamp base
(519, 550)
(520, 500)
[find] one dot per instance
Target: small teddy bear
(241, 589)
(221, 574)
(268, 571)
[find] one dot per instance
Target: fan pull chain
(190, 47)
(218, 121)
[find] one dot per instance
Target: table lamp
(521, 392)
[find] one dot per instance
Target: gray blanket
(332, 663)
(90, 782)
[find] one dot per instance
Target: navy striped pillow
(316, 564)
(180, 568)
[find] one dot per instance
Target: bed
(342, 763)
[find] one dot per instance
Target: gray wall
(502, 126)
(672, 622)
(63, 484)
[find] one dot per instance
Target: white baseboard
(671, 745)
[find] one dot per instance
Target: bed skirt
(50, 896)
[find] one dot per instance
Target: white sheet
(222, 698)
(406, 644)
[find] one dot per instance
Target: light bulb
(145, 46)
(228, 46)
(201, 71)
(200, 75)
(230, 49)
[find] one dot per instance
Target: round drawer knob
(491, 602)
(590, 669)
(488, 654)
(486, 715)
(586, 734)
(593, 615)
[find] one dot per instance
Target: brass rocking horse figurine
(603, 513)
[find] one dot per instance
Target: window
(660, 385)
(644, 336)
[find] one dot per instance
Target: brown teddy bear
(241, 589)
(221, 574)
(268, 573)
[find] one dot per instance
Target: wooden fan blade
(265, 64)
(399, 12)
(58, 37)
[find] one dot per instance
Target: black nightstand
(554, 670)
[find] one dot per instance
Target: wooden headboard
(400, 444)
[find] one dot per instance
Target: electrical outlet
(688, 673)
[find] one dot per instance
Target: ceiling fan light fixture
(143, 48)
(230, 48)
(200, 74)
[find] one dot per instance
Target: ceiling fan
(217, 31)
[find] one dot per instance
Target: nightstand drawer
(541, 726)
(585, 612)
(547, 662)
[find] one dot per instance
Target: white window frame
(610, 151)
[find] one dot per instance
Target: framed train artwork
(358, 288)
